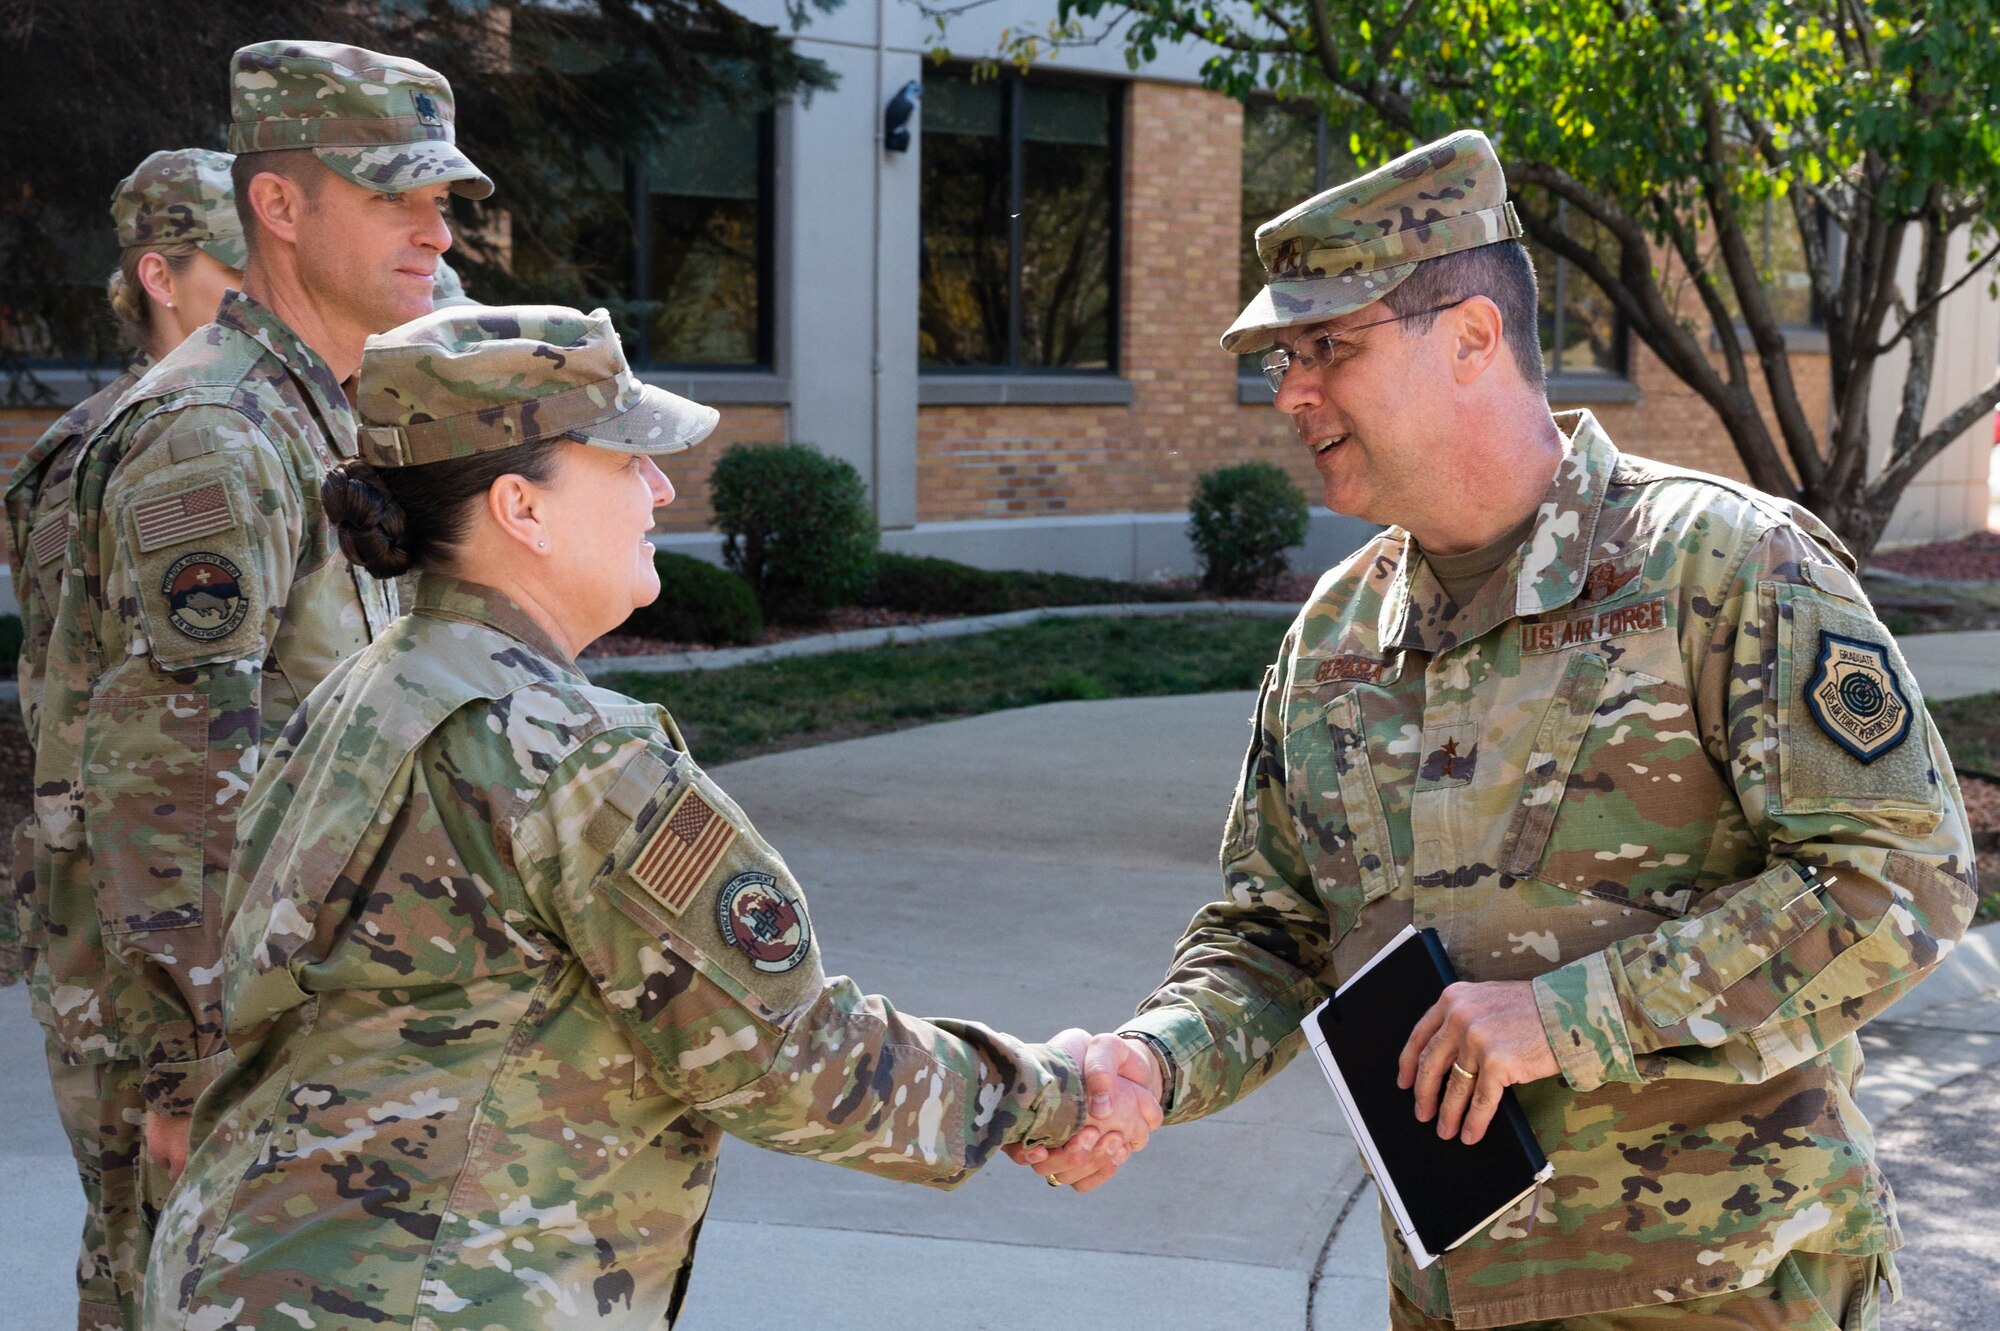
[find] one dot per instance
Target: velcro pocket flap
(1693, 961)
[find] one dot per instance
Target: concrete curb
(856, 640)
(1970, 970)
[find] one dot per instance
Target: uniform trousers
(103, 1115)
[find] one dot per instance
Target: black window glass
(705, 256)
(1289, 155)
(1019, 198)
(1580, 328)
(962, 301)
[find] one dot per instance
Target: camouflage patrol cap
(383, 122)
(182, 195)
(1354, 244)
(479, 378)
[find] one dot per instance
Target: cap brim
(391, 168)
(661, 423)
(1315, 300)
(229, 251)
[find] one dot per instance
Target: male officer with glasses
(1630, 738)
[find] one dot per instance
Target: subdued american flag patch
(182, 516)
(50, 538)
(674, 863)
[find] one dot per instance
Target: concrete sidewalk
(1029, 869)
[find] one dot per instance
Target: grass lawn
(1971, 730)
(737, 713)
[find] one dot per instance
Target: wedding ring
(1464, 1072)
(1052, 1180)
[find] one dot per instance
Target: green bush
(698, 603)
(918, 584)
(10, 643)
(797, 526)
(1242, 520)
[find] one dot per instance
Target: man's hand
(1492, 1032)
(1123, 1081)
(167, 1141)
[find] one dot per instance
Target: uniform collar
(445, 597)
(256, 322)
(1547, 572)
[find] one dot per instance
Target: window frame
(1012, 120)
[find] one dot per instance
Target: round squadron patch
(763, 921)
(1854, 696)
(204, 595)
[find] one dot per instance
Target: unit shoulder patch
(204, 596)
(765, 921)
(1855, 697)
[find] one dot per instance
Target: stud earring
(541, 545)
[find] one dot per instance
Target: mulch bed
(1974, 558)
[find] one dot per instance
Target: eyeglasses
(1278, 360)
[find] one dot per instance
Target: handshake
(1123, 1082)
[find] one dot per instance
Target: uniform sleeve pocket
(1851, 730)
(145, 808)
(196, 573)
(1691, 962)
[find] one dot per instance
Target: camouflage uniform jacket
(204, 599)
(38, 522)
(1607, 775)
(503, 967)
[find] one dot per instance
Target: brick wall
(689, 471)
(1184, 161)
(1183, 156)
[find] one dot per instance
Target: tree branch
(1904, 466)
(1930, 303)
(1754, 304)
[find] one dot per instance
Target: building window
(1582, 335)
(1289, 155)
(1780, 252)
(677, 242)
(702, 226)
(1018, 263)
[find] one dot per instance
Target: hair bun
(367, 519)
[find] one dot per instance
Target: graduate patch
(690, 839)
(764, 922)
(204, 594)
(1854, 696)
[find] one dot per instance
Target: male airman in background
(1630, 738)
(179, 245)
(205, 596)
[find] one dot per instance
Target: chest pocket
(1336, 806)
(1620, 800)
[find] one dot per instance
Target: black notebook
(1440, 1192)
